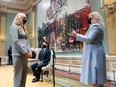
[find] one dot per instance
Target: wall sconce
(2, 39)
(110, 8)
(30, 33)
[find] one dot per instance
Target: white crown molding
(16, 6)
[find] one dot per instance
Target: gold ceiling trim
(18, 6)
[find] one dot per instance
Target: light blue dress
(94, 59)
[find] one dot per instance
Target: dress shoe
(35, 80)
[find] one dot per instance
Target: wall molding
(74, 64)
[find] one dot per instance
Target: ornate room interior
(43, 17)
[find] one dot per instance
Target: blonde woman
(94, 59)
(20, 50)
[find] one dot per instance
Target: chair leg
(47, 73)
(41, 75)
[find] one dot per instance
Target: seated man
(43, 60)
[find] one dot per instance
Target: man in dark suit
(10, 56)
(43, 60)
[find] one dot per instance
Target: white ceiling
(15, 6)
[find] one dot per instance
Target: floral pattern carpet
(65, 82)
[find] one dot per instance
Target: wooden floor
(6, 78)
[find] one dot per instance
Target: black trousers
(36, 69)
(9, 59)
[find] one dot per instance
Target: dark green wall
(36, 15)
(30, 25)
(96, 7)
(9, 20)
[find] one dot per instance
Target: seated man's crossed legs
(36, 69)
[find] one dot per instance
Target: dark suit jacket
(44, 56)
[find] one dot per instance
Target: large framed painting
(57, 31)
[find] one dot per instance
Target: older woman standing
(20, 50)
(94, 59)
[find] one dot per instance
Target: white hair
(96, 18)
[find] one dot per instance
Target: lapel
(45, 50)
(43, 53)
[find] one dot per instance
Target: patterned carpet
(65, 82)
